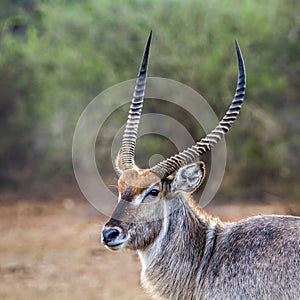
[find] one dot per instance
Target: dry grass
(52, 251)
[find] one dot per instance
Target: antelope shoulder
(255, 257)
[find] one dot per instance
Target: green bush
(57, 55)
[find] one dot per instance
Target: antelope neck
(187, 237)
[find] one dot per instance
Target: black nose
(110, 234)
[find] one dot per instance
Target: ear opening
(189, 178)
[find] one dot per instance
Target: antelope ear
(188, 178)
(118, 163)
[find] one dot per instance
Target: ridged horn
(191, 154)
(130, 134)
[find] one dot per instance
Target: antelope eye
(154, 192)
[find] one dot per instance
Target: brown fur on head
(136, 180)
(142, 200)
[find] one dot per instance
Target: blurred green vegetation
(55, 56)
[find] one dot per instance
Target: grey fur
(255, 258)
(188, 254)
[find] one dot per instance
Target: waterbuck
(186, 253)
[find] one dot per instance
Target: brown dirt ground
(51, 250)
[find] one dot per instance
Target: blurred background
(56, 56)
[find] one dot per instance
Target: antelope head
(144, 194)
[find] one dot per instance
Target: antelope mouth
(117, 245)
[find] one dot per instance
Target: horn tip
(240, 58)
(149, 38)
(237, 47)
